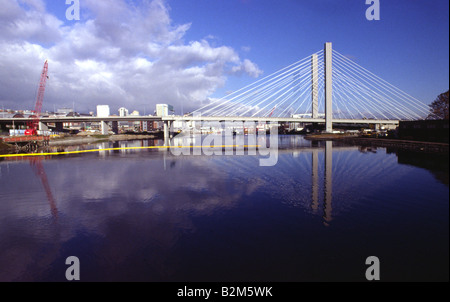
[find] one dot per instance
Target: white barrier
(16, 132)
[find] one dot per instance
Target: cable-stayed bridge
(326, 87)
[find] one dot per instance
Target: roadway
(91, 119)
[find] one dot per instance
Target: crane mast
(34, 124)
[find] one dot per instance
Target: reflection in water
(36, 164)
(315, 180)
(149, 215)
(328, 182)
(436, 163)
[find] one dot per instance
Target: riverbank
(81, 139)
(5, 148)
(383, 142)
(89, 139)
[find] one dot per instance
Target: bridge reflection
(320, 164)
(121, 204)
(328, 182)
(309, 174)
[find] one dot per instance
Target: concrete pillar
(104, 127)
(328, 54)
(315, 86)
(166, 132)
(59, 127)
(115, 127)
(328, 182)
(43, 126)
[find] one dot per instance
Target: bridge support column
(166, 132)
(59, 127)
(104, 127)
(115, 127)
(328, 54)
(43, 126)
(314, 86)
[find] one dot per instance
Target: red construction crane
(34, 124)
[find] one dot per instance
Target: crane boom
(34, 125)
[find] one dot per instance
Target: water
(147, 215)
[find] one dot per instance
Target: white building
(163, 109)
(123, 111)
(64, 111)
(103, 110)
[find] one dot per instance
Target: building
(123, 111)
(64, 111)
(103, 110)
(164, 109)
(424, 130)
(148, 126)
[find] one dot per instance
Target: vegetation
(100, 136)
(5, 148)
(439, 107)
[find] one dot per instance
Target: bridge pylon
(328, 55)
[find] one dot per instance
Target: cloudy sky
(139, 53)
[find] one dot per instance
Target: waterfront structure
(148, 126)
(123, 111)
(103, 111)
(64, 111)
(424, 130)
(163, 109)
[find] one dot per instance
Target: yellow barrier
(116, 149)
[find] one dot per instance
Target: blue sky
(139, 53)
(408, 47)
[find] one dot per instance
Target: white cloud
(246, 48)
(27, 21)
(119, 54)
(248, 67)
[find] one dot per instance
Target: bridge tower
(328, 87)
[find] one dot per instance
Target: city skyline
(137, 54)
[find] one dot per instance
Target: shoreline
(421, 146)
(74, 140)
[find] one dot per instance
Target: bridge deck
(88, 119)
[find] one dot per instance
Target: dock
(26, 143)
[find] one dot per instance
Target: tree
(439, 107)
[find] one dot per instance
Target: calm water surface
(147, 215)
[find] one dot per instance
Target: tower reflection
(328, 190)
(328, 182)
